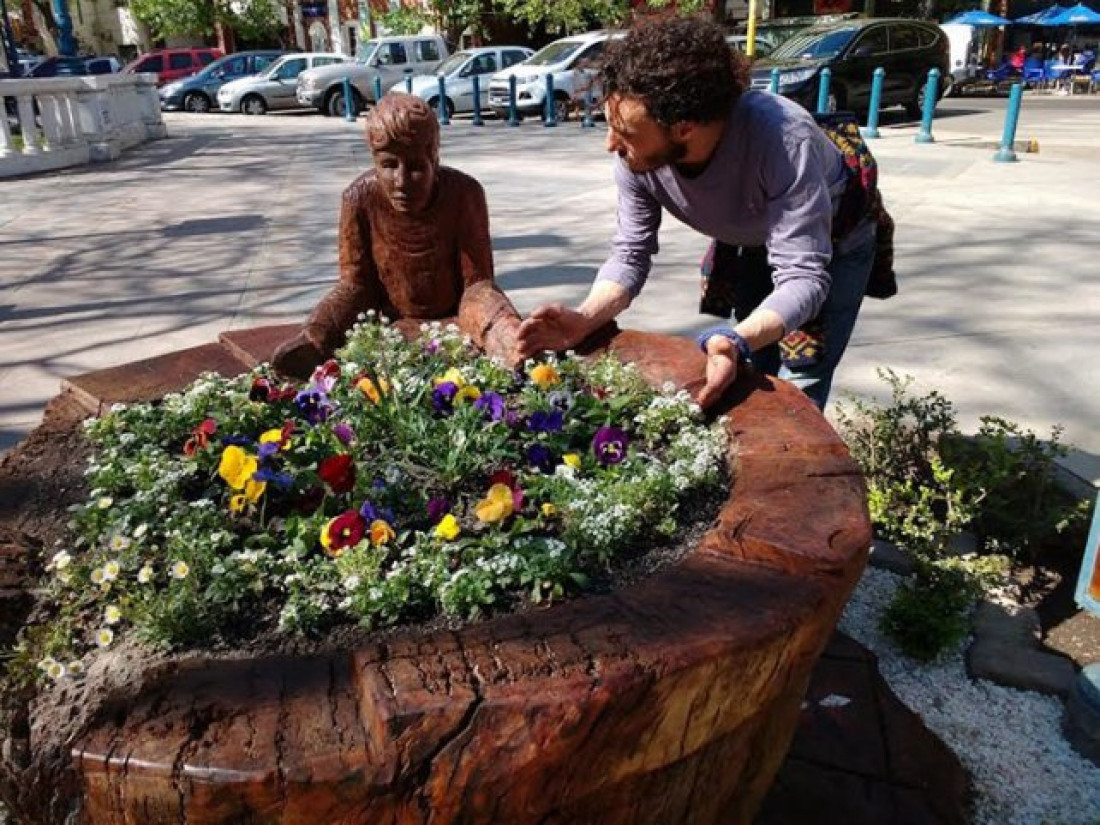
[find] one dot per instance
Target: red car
(173, 64)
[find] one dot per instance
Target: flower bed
(408, 479)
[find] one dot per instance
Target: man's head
(662, 82)
(403, 135)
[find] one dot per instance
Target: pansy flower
(200, 437)
(497, 505)
(491, 405)
(508, 478)
(264, 390)
(443, 397)
(325, 376)
(237, 467)
(609, 445)
(544, 376)
(448, 528)
(541, 457)
(314, 405)
(338, 472)
(281, 480)
(545, 422)
(373, 390)
(468, 393)
(343, 432)
(438, 507)
(560, 399)
(381, 532)
(453, 376)
(342, 532)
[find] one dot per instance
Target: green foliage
(404, 20)
(254, 20)
(566, 16)
(927, 482)
(408, 479)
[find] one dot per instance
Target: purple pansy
(280, 480)
(268, 449)
(560, 399)
(609, 445)
(438, 507)
(443, 397)
(313, 404)
(343, 432)
(491, 404)
(542, 457)
(545, 422)
(236, 440)
(369, 512)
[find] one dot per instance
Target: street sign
(1088, 583)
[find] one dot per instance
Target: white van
(962, 48)
(574, 64)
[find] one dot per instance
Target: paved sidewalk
(231, 221)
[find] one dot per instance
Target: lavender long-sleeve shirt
(773, 181)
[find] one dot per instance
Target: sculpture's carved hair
(403, 121)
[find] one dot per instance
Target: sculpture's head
(403, 135)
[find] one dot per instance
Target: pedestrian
(747, 168)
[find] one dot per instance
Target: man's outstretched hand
(721, 370)
(551, 327)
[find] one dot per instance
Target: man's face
(643, 143)
(407, 178)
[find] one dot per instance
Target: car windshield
(366, 51)
(816, 45)
(452, 64)
(554, 53)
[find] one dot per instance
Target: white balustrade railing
(51, 123)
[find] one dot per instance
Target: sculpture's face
(407, 177)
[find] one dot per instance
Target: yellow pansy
(572, 460)
(454, 376)
(548, 510)
(254, 489)
(237, 503)
(381, 532)
(497, 504)
(448, 528)
(237, 467)
(326, 537)
(275, 437)
(544, 376)
(468, 393)
(372, 390)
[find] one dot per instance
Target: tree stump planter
(671, 701)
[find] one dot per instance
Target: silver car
(274, 89)
(458, 72)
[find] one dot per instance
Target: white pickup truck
(390, 59)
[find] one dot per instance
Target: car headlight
(793, 78)
(169, 90)
(308, 83)
(527, 79)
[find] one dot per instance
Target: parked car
(458, 72)
(75, 66)
(740, 41)
(390, 59)
(173, 64)
(276, 88)
(778, 30)
(573, 62)
(853, 49)
(199, 93)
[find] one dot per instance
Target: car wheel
(915, 107)
(196, 102)
(254, 105)
(434, 103)
(335, 105)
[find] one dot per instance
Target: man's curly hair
(680, 67)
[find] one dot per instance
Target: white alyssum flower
(145, 574)
(112, 614)
(60, 561)
(111, 570)
(104, 636)
(179, 570)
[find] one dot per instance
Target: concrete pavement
(230, 223)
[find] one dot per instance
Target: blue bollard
(513, 115)
(587, 122)
(377, 89)
(408, 84)
(349, 102)
(876, 103)
(477, 102)
(441, 104)
(551, 118)
(823, 90)
(930, 88)
(1006, 154)
(773, 87)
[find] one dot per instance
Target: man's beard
(671, 152)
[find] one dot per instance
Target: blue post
(823, 90)
(477, 102)
(1006, 154)
(773, 87)
(66, 43)
(408, 84)
(513, 115)
(377, 89)
(930, 90)
(349, 102)
(551, 116)
(441, 106)
(586, 121)
(876, 103)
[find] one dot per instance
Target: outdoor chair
(1094, 81)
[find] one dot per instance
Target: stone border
(671, 701)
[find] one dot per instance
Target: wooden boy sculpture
(414, 243)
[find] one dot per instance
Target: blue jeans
(849, 272)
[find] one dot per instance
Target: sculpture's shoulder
(360, 189)
(457, 185)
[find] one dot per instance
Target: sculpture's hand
(721, 370)
(297, 357)
(551, 327)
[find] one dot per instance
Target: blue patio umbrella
(1079, 15)
(1040, 18)
(979, 19)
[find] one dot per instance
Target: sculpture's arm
(484, 313)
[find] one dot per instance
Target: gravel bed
(1010, 741)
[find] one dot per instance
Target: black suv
(852, 50)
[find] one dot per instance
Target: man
(748, 169)
(414, 243)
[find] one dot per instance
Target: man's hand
(551, 327)
(297, 357)
(721, 370)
